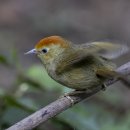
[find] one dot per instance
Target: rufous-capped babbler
(78, 66)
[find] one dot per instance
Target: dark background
(23, 23)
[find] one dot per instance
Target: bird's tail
(114, 75)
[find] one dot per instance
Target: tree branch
(61, 105)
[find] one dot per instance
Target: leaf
(13, 115)
(25, 79)
(3, 60)
(79, 118)
(11, 101)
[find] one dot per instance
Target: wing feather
(75, 55)
(106, 49)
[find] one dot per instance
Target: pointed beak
(33, 51)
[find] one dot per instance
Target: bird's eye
(45, 50)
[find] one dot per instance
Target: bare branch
(61, 105)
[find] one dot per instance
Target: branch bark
(61, 105)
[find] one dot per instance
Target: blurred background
(24, 85)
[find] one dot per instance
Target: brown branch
(60, 105)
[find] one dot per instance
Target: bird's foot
(73, 93)
(104, 87)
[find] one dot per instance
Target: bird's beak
(33, 51)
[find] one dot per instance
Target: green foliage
(3, 60)
(34, 89)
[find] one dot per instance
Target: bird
(80, 67)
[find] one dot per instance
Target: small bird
(79, 66)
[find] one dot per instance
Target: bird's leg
(77, 92)
(73, 93)
(104, 87)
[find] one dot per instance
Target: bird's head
(49, 48)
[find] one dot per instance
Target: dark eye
(45, 50)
